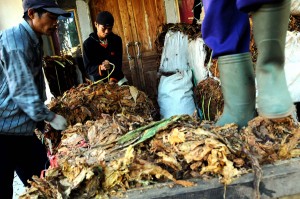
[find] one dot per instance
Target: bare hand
(106, 64)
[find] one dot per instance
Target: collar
(31, 32)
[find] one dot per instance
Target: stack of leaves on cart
(88, 102)
(116, 153)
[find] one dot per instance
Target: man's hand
(59, 122)
(105, 65)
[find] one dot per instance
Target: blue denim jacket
(22, 86)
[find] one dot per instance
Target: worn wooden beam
(279, 180)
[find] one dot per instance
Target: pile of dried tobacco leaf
(115, 153)
(88, 102)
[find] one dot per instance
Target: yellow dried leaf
(185, 183)
(71, 172)
(79, 178)
(285, 149)
(197, 154)
(134, 92)
(115, 172)
(187, 147)
(295, 153)
(176, 136)
(169, 160)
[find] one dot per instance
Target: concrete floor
(18, 187)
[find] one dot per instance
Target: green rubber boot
(270, 23)
(238, 87)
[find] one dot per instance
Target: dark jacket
(94, 54)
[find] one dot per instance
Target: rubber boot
(238, 87)
(270, 23)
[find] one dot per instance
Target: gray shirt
(22, 87)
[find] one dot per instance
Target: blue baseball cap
(48, 5)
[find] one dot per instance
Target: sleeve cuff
(113, 80)
(99, 69)
(50, 116)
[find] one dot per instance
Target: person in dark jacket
(226, 30)
(102, 48)
(22, 94)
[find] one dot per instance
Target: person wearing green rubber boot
(226, 30)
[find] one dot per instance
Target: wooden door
(137, 22)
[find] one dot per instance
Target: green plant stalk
(108, 75)
(57, 80)
(152, 131)
(203, 108)
(59, 63)
(134, 133)
(208, 107)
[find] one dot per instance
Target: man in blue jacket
(22, 94)
(226, 31)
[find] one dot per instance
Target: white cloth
(196, 59)
(292, 64)
(295, 7)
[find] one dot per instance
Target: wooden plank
(151, 24)
(125, 24)
(140, 21)
(134, 26)
(160, 11)
(155, 18)
(279, 180)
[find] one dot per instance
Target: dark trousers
(24, 154)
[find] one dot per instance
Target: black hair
(40, 12)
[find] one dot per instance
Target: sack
(186, 60)
(175, 52)
(175, 94)
(292, 64)
(295, 7)
(196, 59)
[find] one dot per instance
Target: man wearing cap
(101, 48)
(22, 94)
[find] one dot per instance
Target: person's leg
(270, 23)
(33, 159)
(238, 88)
(225, 29)
(7, 166)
